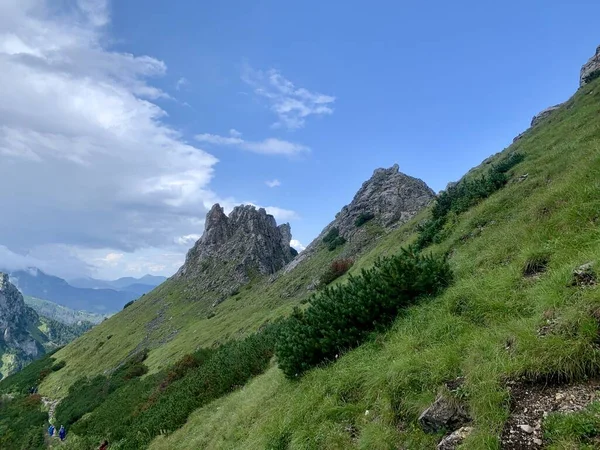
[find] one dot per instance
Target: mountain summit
(248, 242)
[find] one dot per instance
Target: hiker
(51, 430)
(104, 445)
(62, 433)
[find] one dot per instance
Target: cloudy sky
(122, 123)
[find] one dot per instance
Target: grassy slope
(172, 321)
(485, 327)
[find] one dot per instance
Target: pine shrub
(463, 196)
(342, 317)
(592, 76)
(363, 218)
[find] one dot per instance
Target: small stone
(526, 428)
(537, 442)
(559, 396)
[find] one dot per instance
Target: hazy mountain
(35, 283)
(121, 284)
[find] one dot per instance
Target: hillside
(521, 234)
(27, 334)
(61, 314)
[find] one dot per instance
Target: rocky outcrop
(16, 343)
(235, 247)
(590, 68)
(389, 198)
(543, 114)
(446, 413)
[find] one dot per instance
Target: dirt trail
(531, 403)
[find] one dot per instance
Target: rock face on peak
(17, 346)
(234, 248)
(389, 195)
(388, 199)
(543, 114)
(589, 68)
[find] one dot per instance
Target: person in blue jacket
(62, 433)
(51, 430)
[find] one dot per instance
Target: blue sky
(435, 87)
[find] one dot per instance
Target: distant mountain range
(85, 294)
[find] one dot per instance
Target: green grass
(484, 327)
(579, 430)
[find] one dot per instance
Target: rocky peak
(15, 319)
(389, 199)
(593, 65)
(389, 195)
(234, 247)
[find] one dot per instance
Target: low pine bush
(463, 196)
(342, 317)
(333, 239)
(363, 218)
(132, 411)
(337, 268)
(22, 422)
(592, 76)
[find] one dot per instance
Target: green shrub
(592, 76)
(128, 304)
(464, 195)
(363, 218)
(341, 317)
(22, 423)
(59, 365)
(337, 242)
(333, 239)
(134, 411)
(85, 395)
(337, 268)
(331, 235)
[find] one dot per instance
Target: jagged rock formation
(588, 71)
(17, 346)
(234, 248)
(390, 196)
(593, 65)
(543, 114)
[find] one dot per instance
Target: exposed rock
(593, 65)
(453, 440)
(444, 414)
(584, 275)
(519, 137)
(543, 114)
(531, 403)
(390, 196)
(234, 248)
(15, 320)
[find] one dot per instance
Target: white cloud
(188, 239)
(273, 183)
(291, 104)
(181, 83)
(297, 245)
(282, 215)
(270, 146)
(235, 133)
(89, 168)
(111, 259)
